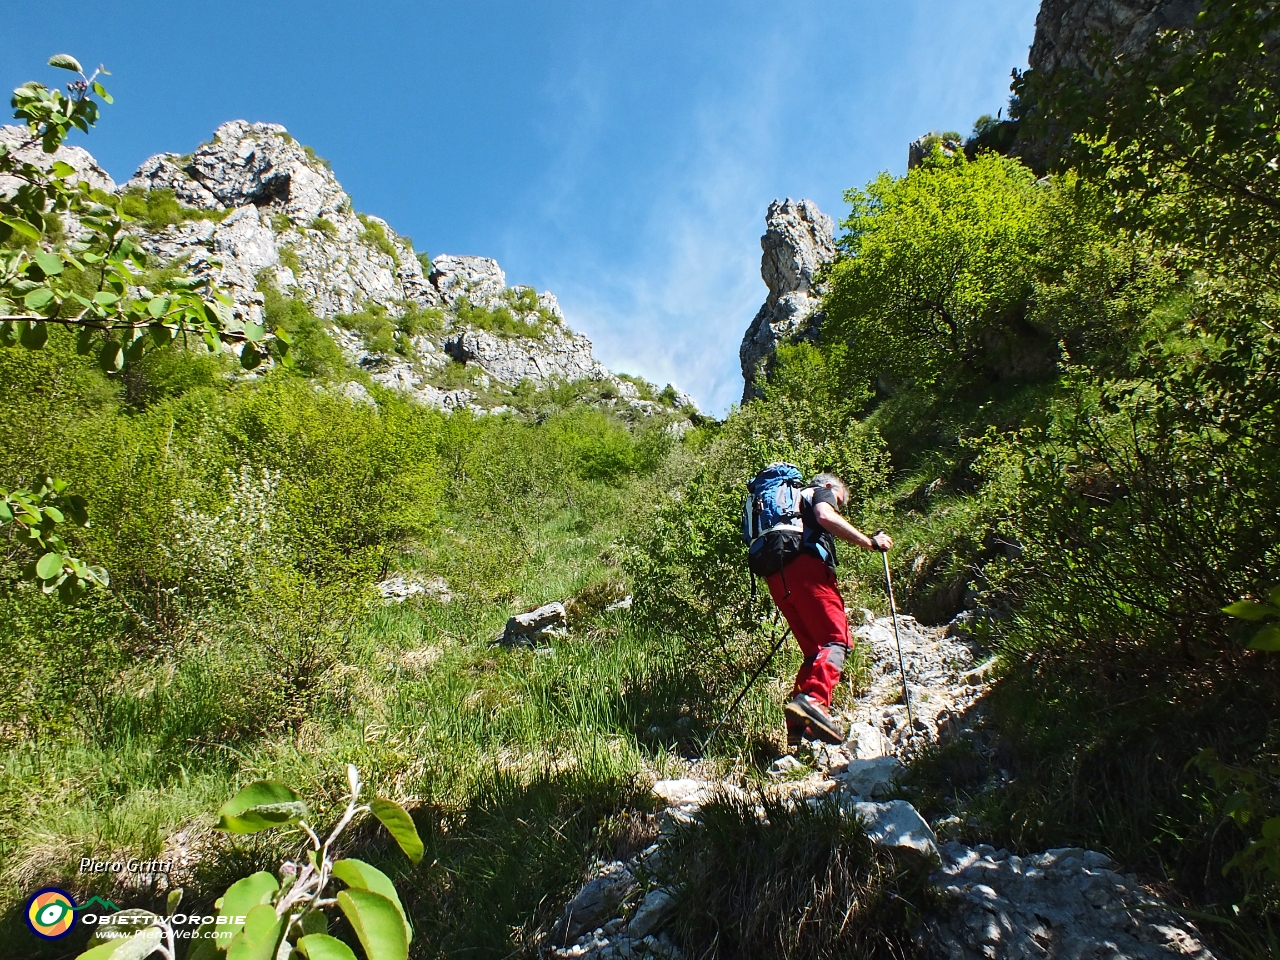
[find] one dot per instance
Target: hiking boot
(806, 709)
(798, 730)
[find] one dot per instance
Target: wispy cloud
(813, 114)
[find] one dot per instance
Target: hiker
(806, 592)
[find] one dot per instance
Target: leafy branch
(261, 917)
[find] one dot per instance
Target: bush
(374, 235)
(315, 353)
(937, 265)
(324, 225)
(160, 208)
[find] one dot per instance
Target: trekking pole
(893, 609)
(754, 677)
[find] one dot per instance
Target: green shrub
(374, 235)
(315, 352)
(938, 264)
(325, 226)
(499, 320)
(316, 158)
(280, 222)
(160, 208)
(289, 257)
(384, 333)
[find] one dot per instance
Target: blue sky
(619, 154)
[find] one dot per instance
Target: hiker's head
(836, 484)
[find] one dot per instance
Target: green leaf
(66, 61)
(50, 263)
(1274, 596)
(105, 297)
(22, 227)
(1268, 638)
(400, 825)
(49, 566)
(250, 358)
(76, 509)
(377, 923)
(54, 514)
(101, 91)
(172, 902)
(260, 936)
(111, 357)
(38, 297)
(241, 897)
(315, 921)
(321, 946)
(141, 944)
(62, 169)
(261, 805)
(34, 335)
(1250, 610)
(362, 876)
(203, 947)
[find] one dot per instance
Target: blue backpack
(771, 522)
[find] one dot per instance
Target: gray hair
(832, 481)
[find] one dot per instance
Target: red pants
(815, 610)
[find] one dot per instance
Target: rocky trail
(1061, 903)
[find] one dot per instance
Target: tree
(86, 282)
(934, 263)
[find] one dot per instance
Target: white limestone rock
(896, 824)
(289, 220)
(653, 912)
(22, 147)
(560, 354)
(299, 202)
(873, 778)
(1065, 902)
(535, 626)
(596, 902)
(479, 279)
(798, 241)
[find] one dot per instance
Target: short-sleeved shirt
(809, 498)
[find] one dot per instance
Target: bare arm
(838, 526)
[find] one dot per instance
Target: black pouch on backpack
(773, 551)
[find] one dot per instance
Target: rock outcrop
(798, 241)
(1067, 30)
(291, 217)
(25, 150)
(274, 214)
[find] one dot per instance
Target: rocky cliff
(261, 211)
(798, 240)
(1067, 30)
